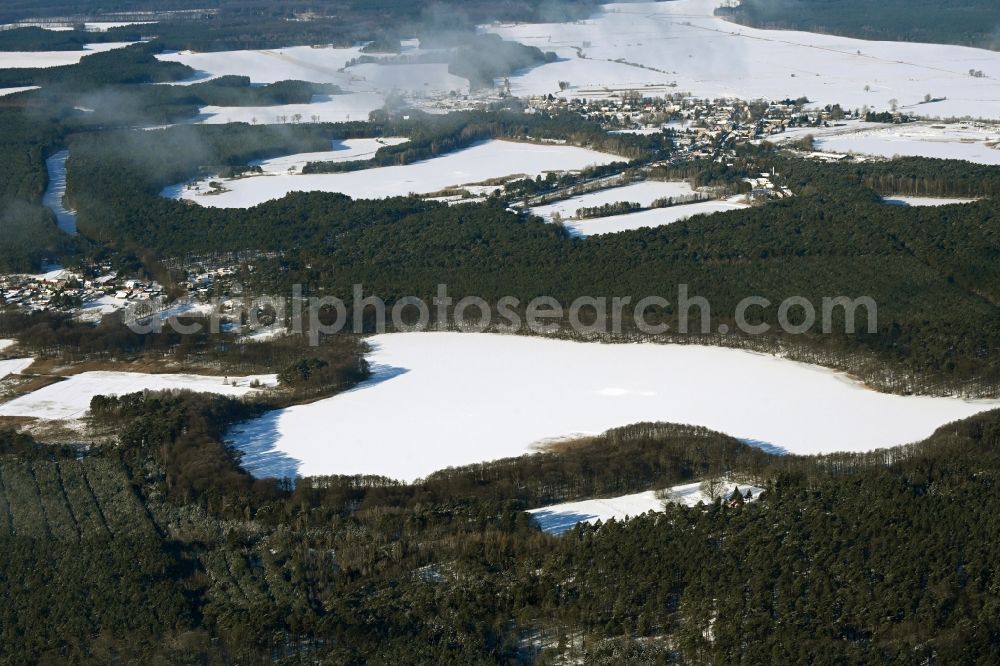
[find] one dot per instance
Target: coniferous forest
(156, 547)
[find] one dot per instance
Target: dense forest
(965, 22)
(155, 546)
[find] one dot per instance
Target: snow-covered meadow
(349, 150)
(70, 398)
(953, 141)
(443, 399)
(560, 518)
(631, 45)
(365, 86)
(923, 201)
(970, 141)
(11, 91)
(323, 108)
(484, 161)
(656, 217)
(643, 193)
(90, 26)
(13, 366)
(38, 59)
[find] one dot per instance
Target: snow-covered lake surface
(487, 160)
(560, 518)
(656, 217)
(643, 193)
(56, 190)
(443, 399)
(71, 398)
(35, 59)
(682, 43)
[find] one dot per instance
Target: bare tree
(668, 496)
(712, 488)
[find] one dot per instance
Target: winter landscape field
(644, 194)
(632, 45)
(560, 518)
(33, 59)
(486, 161)
(655, 217)
(70, 399)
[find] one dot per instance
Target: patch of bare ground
(147, 365)
(50, 432)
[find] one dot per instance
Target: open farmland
(31, 59)
(485, 161)
(365, 87)
(634, 45)
(71, 398)
(644, 194)
(656, 217)
(348, 150)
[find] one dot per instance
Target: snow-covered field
(956, 142)
(490, 159)
(442, 399)
(7, 344)
(682, 42)
(656, 217)
(560, 518)
(970, 141)
(348, 150)
(71, 398)
(14, 366)
(91, 26)
(9, 59)
(365, 86)
(923, 201)
(324, 108)
(304, 63)
(10, 91)
(643, 193)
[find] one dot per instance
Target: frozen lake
(444, 399)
